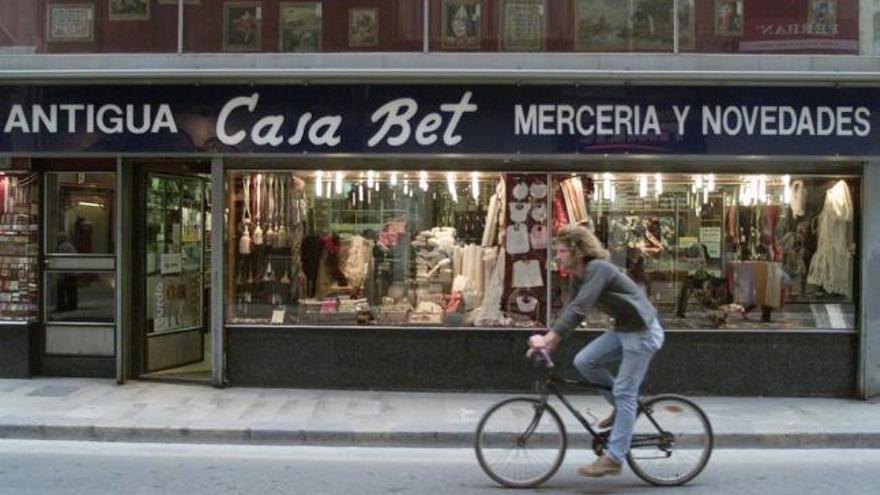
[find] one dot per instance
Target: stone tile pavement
(98, 409)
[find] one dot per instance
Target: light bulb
(393, 178)
(423, 180)
(339, 177)
(450, 183)
(475, 185)
(643, 186)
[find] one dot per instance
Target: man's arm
(596, 277)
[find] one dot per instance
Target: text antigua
(715, 120)
(89, 118)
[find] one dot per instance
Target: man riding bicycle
(636, 336)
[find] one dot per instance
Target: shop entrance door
(79, 276)
(174, 283)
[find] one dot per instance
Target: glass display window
(746, 252)
(455, 249)
(475, 249)
(19, 247)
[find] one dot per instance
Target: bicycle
(521, 442)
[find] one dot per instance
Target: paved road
(35, 467)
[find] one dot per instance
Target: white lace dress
(832, 265)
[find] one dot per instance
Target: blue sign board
(430, 119)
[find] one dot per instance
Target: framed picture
(522, 25)
(687, 31)
(129, 10)
(822, 16)
(242, 26)
(602, 25)
(300, 27)
(363, 27)
(70, 22)
(461, 24)
(728, 16)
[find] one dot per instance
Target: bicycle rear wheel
(672, 441)
(520, 442)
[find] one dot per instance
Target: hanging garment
(526, 303)
(832, 265)
(539, 212)
(798, 201)
(560, 216)
(539, 237)
(538, 189)
(527, 273)
(519, 212)
(517, 239)
(490, 228)
(354, 254)
(520, 191)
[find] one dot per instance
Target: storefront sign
(499, 119)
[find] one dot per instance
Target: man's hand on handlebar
(549, 341)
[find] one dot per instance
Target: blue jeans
(634, 350)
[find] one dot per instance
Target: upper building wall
(835, 27)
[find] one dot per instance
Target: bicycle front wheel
(672, 441)
(520, 442)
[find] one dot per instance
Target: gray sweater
(607, 288)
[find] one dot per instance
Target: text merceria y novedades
(715, 120)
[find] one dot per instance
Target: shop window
(389, 248)
(752, 252)
(19, 247)
(466, 249)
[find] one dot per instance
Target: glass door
(80, 264)
(174, 272)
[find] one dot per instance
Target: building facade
(364, 194)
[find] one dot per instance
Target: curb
(410, 439)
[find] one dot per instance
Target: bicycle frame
(549, 386)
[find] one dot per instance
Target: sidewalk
(97, 409)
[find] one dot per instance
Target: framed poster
(822, 16)
(687, 31)
(363, 27)
(300, 27)
(70, 22)
(461, 24)
(242, 26)
(522, 25)
(128, 10)
(601, 25)
(653, 25)
(728, 17)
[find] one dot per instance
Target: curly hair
(582, 242)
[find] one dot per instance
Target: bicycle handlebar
(547, 359)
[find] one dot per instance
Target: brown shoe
(603, 466)
(607, 422)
